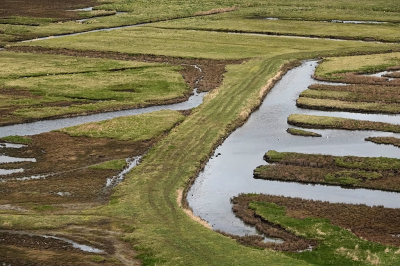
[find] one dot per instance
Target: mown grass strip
(328, 122)
(337, 105)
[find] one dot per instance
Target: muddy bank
(377, 224)
(61, 176)
(88, 246)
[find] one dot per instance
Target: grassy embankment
(144, 11)
(314, 220)
(367, 172)
(328, 122)
(42, 86)
(300, 132)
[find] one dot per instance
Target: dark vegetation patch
(61, 170)
(348, 171)
(43, 9)
(327, 122)
(300, 132)
(377, 224)
(385, 140)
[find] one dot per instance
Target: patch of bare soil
(394, 75)
(55, 248)
(377, 224)
(57, 9)
(60, 176)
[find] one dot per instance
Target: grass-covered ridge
(348, 106)
(133, 128)
(328, 122)
(360, 64)
(300, 132)
(367, 172)
(385, 140)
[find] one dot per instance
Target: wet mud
(61, 176)
(376, 223)
(74, 244)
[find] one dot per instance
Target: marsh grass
(300, 132)
(367, 172)
(40, 86)
(360, 64)
(133, 128)
(326, 122)
(17, 139)
(332, 226)
(349, 106)
(385, 140)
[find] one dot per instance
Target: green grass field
(40, 86)
(145, 208)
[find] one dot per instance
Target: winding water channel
(231, 172)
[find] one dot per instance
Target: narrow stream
(231, 172)
(47, 125)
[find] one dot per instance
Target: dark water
(231, 173)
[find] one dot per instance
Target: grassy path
(148, 198)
